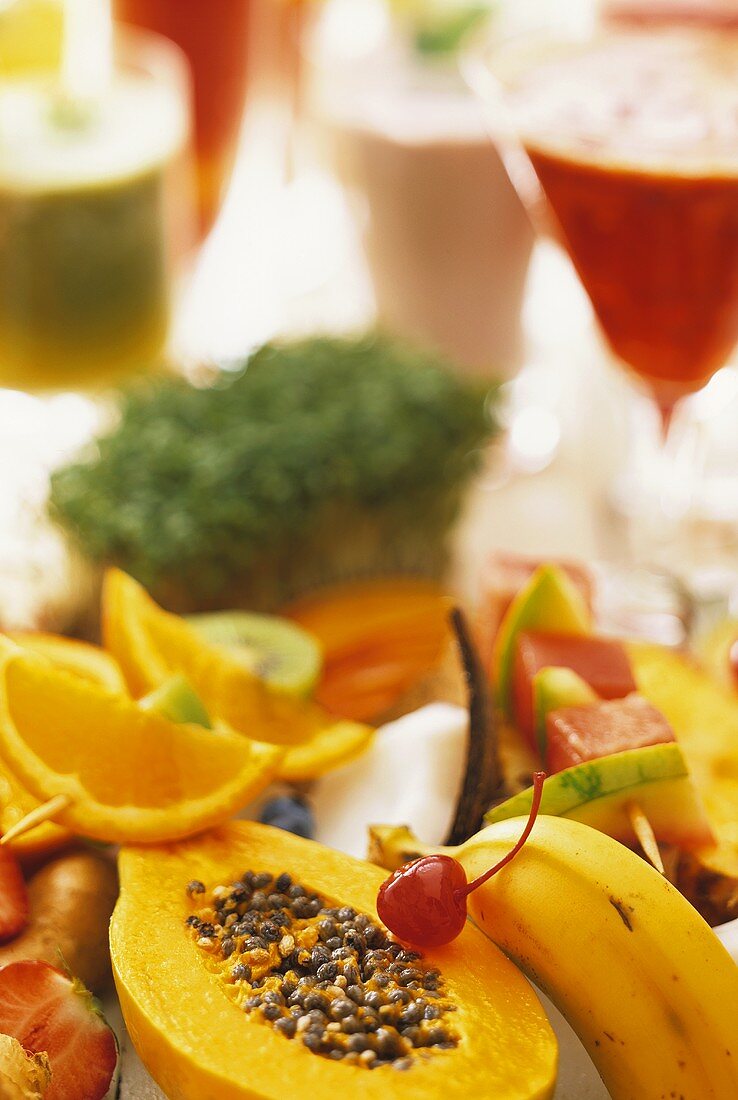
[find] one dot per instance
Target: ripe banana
(645, 983)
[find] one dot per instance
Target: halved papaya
(245, 959)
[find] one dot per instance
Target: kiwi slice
(276, 650)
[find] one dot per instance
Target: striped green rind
(573, 787)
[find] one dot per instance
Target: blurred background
(183, 183)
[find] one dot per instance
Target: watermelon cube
(502, 577)
(601, 662)
(577, 734)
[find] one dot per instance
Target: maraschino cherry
(424, 902)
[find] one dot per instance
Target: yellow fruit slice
(704, 715)
(176, 701)
(91, 662)
(327, 750)
(126, 635)
(23, 1076)
(152, 645)
(713, 652)
(131, 775)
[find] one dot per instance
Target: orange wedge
(130, 775)
(91, 662)
(325, 751)
(152, 645)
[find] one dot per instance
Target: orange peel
(151, 645)
(130, 775)
(91, 662)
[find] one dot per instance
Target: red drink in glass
(641, 177)
(630, 136)
(215, 37)
(651, 13)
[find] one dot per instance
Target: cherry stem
(538, 780)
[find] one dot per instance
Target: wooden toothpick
(47, 811)
(646, 837)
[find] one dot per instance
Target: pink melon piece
(502, 577)
(601, 662)
(577, 734)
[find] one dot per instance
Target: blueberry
(291, 814)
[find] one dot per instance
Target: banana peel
(639, 975)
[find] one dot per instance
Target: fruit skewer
(47, 811)
(572, 695)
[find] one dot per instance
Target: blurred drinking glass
(93, 212)
(215, 38)
(632, 139)
(446, 238)
(234, 48)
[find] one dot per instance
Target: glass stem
(665, 464)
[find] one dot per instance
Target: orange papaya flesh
(379, 639)
(192, 1018)
(343, 614)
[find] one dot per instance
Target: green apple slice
(598, 793)
(556, 687)
(549, 601)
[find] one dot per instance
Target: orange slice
(152, 645)
(130, 775)
(91, 662)
(325, 751)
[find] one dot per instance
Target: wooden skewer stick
(47, 811)
(646, 838)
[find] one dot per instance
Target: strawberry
(13, 897)
(47, 1011)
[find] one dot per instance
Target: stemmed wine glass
(624, 143)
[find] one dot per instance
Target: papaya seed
(328, 976)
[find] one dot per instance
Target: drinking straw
(87, 51)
